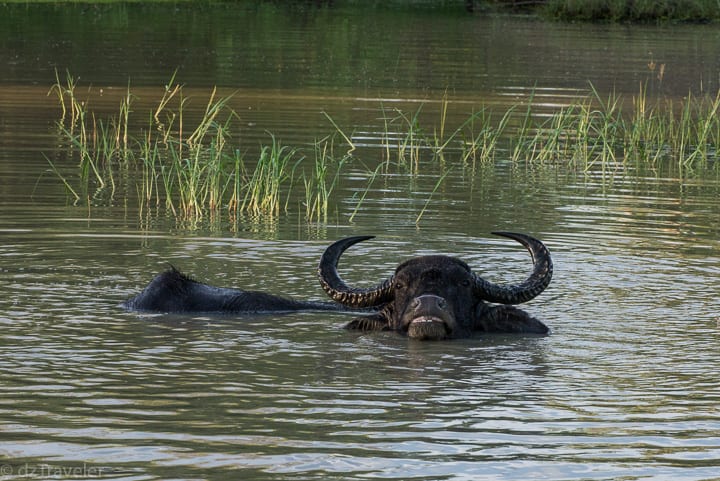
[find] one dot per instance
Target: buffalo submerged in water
(428, 297)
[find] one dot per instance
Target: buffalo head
(438, 297)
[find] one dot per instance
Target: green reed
(200, 162)
(323, 179)
(603, 131)
(274, 168)
(593, 131)
(371, 180)
(476, 146)
(429, 198)
(195, 169)
(409, 138)
(480, 146)
(67, 98)
(190, 170)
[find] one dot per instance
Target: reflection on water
(330, 50)
(623, 388)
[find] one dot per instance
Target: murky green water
(626, 387)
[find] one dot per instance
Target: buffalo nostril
(428, 302)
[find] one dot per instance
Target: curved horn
(337, 289)
(531, 287)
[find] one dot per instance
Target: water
(625, 387)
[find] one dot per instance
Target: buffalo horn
(338, 290)
(531, 287)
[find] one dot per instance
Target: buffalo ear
(508, 319)
(376, 322)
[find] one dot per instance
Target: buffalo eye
(465, 283)
(399, 285)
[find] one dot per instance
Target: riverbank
(631, 11)
(596, 11)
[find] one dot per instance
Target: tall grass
(635, 11)
(196, 169)
(263, 190)
(594, 130)
(191, 170)
(602, 131)
(324, 177)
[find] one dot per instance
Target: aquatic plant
(638, 11)
(263, 189)
(195, 169)
(600, 131)
(190, 170)
(323, 179)
(429, 198)
(476, 146)
(589, 131)
(403, 138)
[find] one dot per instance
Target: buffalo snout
(429, 317)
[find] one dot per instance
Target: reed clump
(633, 11)
(323, 179)
(610, 130)
(593, 130)
(407, 142)
(196, 169)
(191, 169)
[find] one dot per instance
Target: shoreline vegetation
(631, 11)
(194, 169)
(600, 11)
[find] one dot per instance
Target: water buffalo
(173, 291)
(438, 297)
(428, 297)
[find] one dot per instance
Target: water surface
(625, 387)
